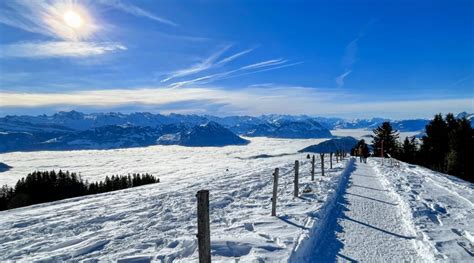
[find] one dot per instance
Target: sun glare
(73, 19)
(70, 20)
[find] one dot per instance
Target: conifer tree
(435, 144)
(409, 150)
(461, 148)
(388, 136)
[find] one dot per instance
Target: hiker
(362, 151)
(365, 152)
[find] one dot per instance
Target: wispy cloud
(267, 63)
(252, 100)
(273, 67)
(46, 18)
(259, 100)
(461, 80)
(340, 78)
(268, 68)
(350, 53)
(136, 11)
(207, 63)
(348, 61)
(242, 71)
(233, 57)
(213, 62)
(58, 49)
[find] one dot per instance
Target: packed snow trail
(366, 224)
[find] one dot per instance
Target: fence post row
(275, 191)
(322, 163)
(313, 160)
(204, 235)
(297, 168)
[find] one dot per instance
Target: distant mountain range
(301, 129)
(120, 136)
(208, 134)
(76, 130)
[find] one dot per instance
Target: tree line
(447, 146)
(46, 186)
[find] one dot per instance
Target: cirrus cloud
(49, 49)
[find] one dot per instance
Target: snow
(158, 221)
(165, 161)
(366, 224)
(440, 207)
(363, 212)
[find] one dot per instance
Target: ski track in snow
(158, 222)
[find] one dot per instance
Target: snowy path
(366, 224)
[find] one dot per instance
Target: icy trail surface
(366, 224)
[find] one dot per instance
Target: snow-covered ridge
(120, 136)
(76, 130)
(208, 134)
(290, 129)
(74, 120)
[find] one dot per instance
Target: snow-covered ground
(158, 221)
(365, 212)
(174, 162)
(439, 206)
(366, 223)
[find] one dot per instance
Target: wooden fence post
(381, 151)
(322, 163)
(330, 160)
(204, 235)
(337, 156)
(297, 168)
(313, 161)
(275, 191)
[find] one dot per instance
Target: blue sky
(397, 59)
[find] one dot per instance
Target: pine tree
(408, 150)
(461, 148)
(388, 136)
(435, 144)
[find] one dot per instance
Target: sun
(72, 19)
(69, 20)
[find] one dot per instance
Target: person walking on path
(363, 151)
